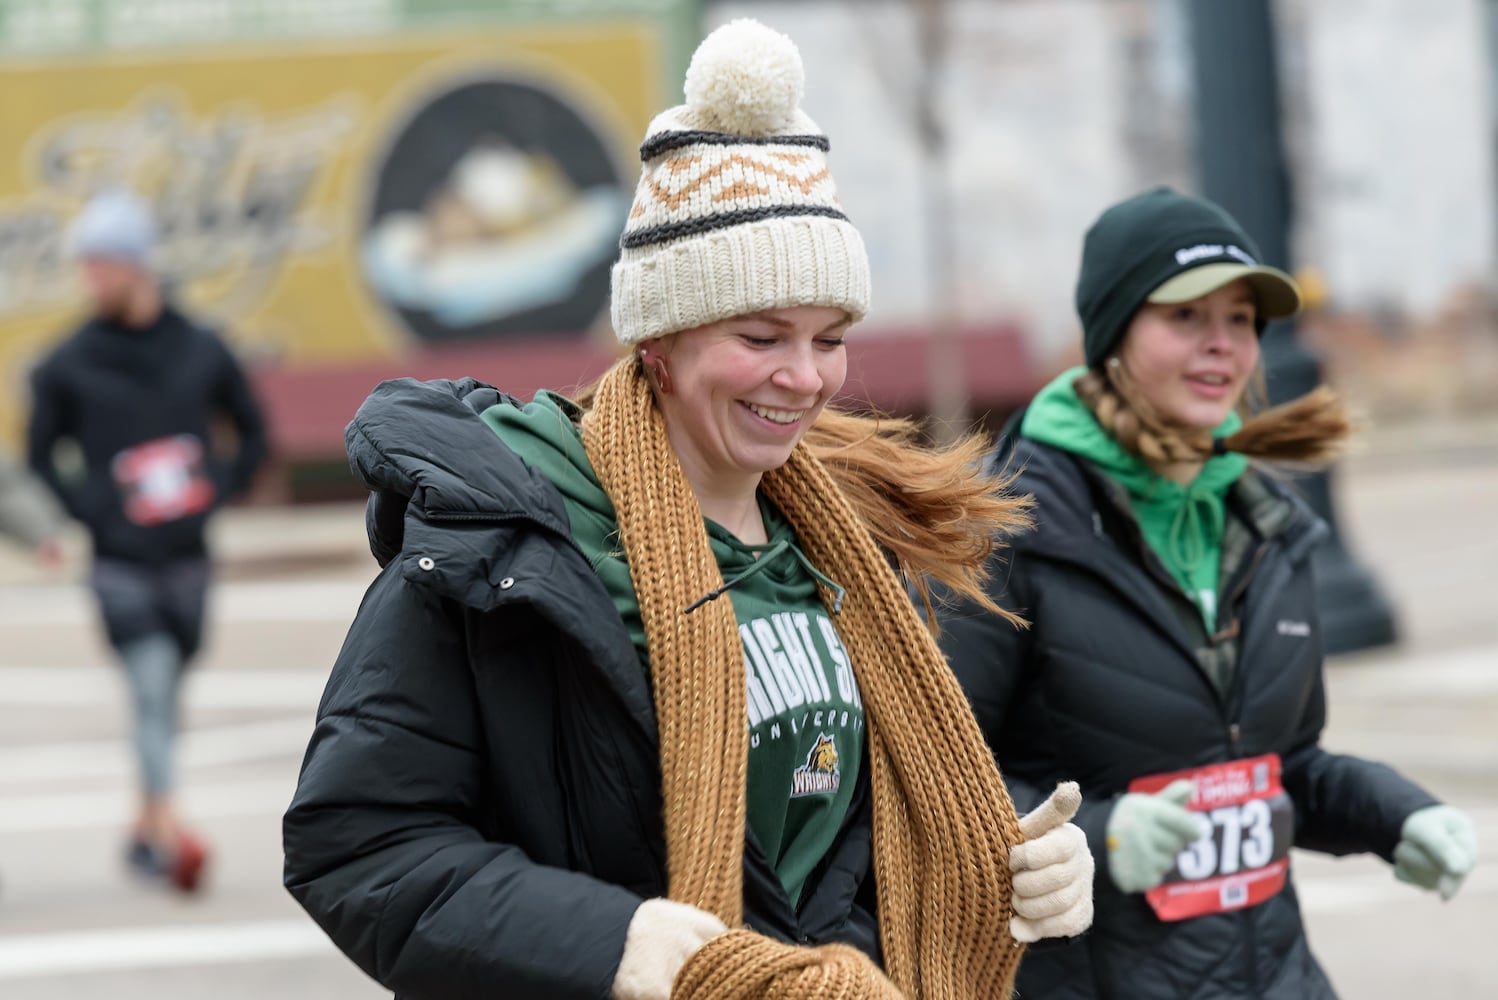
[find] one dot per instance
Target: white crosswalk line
(1457, 675)
(114, 759)
(1360, 893)
(114, 807)
(282, 602)
(85, 952)
(104, 685)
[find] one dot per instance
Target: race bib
(163, 480)
(1243, 854)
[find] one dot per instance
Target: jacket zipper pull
(1235, 737)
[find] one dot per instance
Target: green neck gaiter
(1182, 524)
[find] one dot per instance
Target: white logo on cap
(1186, 255)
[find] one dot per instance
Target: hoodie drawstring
(766, 557)
(1186, 548)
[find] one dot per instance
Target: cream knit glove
(1053, 871)
(662, 935)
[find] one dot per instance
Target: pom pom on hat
(746, 79)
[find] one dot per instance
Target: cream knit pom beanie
(736, 210)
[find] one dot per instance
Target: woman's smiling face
(745, 390)
(1192, 360)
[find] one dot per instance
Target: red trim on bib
(1243, 856)
(163, 480)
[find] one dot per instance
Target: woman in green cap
(1174, 661)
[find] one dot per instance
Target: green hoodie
(1182, 524)
(805, 712)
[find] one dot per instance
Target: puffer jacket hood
(431, 466)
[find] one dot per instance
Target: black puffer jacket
(479, 811)
(1106, 687)
(112, 389)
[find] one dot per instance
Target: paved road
(72, 924)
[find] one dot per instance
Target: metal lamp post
(1240, 153)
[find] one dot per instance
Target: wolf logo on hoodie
(820, 774)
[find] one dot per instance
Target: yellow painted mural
(335, 200)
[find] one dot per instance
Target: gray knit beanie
(114, 225)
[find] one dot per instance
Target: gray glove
(1146, 832)
(1436, 849)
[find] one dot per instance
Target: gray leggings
(154, 616)
(154, 668)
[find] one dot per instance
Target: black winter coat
(479, 810)
(112, 389)
(1105, 687)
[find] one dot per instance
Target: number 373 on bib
(1242, 856)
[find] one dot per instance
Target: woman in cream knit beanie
(736, 210)
(639, 708)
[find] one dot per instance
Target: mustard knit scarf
(943, 822)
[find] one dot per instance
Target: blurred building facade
(347, 186)
(363, 188)
(1056, 108)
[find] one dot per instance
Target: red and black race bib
(163, 480)
(1243, 854)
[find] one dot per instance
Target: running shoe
(145, 859)
(188, 862)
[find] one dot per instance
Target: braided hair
(1309, 430)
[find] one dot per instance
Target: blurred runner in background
(137, 388)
